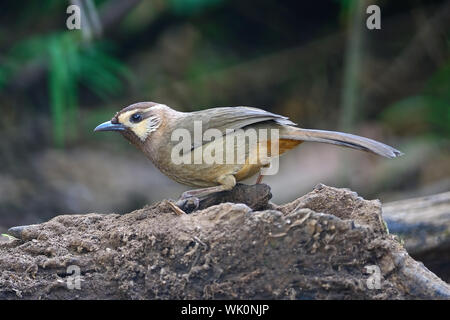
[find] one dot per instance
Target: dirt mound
(328, 244)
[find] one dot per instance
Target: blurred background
(314, 61)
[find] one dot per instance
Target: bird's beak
(108, 126)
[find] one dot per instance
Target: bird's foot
(188, 204)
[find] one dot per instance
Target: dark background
(314, 61)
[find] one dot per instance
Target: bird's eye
(136, 117)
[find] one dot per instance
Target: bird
(155, 129)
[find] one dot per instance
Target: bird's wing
(236, 117)
(233, 118)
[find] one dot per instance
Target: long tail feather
(344, 140)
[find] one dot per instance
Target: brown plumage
(150, 126)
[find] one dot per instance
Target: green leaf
(10, 237)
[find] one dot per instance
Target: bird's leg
(194, 196)
(259, 179)
(261, 176)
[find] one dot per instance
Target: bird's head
(136, 122)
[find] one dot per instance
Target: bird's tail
(344, 140)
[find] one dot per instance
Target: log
(423, 224)
(328, 244)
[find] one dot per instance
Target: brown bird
(156, 129)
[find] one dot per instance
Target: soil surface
(328, 244)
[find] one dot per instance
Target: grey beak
(108, 126)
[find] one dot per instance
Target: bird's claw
(188, 204)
